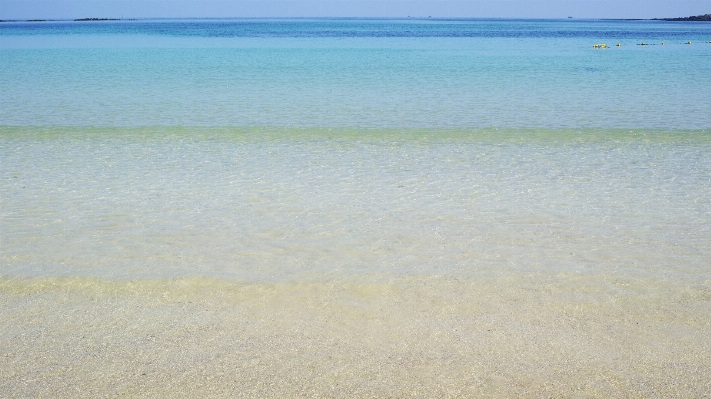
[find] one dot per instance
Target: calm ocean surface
(356, 73)
(348, 207)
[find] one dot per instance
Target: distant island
(28, 20)
(60, 20)
(704, 18)
(97, 19)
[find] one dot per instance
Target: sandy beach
(564, 335)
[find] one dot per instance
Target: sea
(410, 207)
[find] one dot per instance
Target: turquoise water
(355, 208)
(356, 73)
(302, 124)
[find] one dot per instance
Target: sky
(70, 9)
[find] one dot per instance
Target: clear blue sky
(24, 9)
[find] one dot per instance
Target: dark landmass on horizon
(97, 19)
(703, 18)
(67, 20)
(698, 18)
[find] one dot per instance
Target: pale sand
(496, 335)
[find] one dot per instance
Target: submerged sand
(298, 263)
(493, 335)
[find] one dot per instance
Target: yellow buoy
(688, 42)
(662, 43)
(618, 44)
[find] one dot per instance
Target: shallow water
(354, 208)
(279, 262)
(285, 204)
